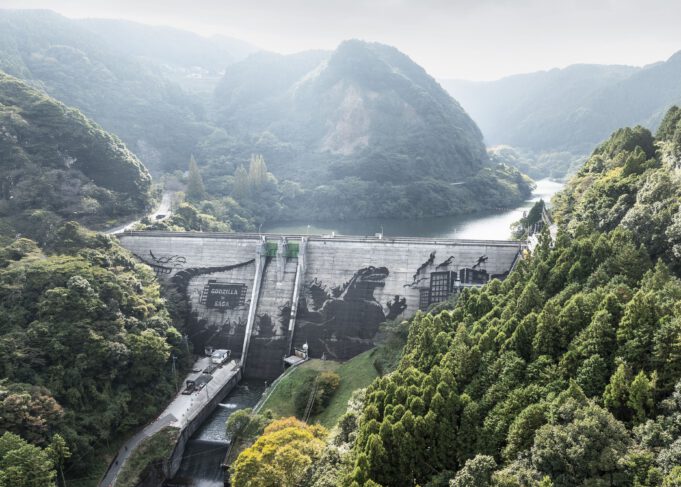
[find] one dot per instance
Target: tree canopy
(567, 372)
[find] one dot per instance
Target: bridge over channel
(261, 296)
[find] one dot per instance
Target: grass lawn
(356, 373)
(156, 448)
(280, 400)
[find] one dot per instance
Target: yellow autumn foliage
(281, 456)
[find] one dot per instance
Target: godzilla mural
(342, 321)
(339, 311)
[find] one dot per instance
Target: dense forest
(57, 165)
(85, 336)
(566, 373)
(85, 344)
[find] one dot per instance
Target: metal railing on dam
(313, 237)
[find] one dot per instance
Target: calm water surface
(490, 225)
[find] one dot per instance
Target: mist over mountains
(571, 109)
(113, 73)
(362, 122)
(363, 110)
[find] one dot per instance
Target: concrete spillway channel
(186, 413)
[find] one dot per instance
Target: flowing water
(489, 225)
(205, 452)
(202, 461)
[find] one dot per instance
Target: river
(205, 451)
(489, 225)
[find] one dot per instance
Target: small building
(299, 356)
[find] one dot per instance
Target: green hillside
(58, 165)
(566, 373)
(354, 374)
(564, 113)
(84, 69)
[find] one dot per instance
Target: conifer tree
(241, 182)
(257, 172)
(195, 188)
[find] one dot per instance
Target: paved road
(128, 447)
(164, 208)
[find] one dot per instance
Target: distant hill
(195, 62)
(571, 109)
(362, 129)
(363, 110)
(118, 74)
(55, 165)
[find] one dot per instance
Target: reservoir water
(489, 225)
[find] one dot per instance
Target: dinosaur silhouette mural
(342, 322)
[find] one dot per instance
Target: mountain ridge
(363, 81)
(571, 109)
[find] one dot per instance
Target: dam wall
(346, 286)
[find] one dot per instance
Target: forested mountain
(127, 95)
(572, 109)
(360, 131)
(55, 165)
(85, 336)
(364, 110)
(567, 373)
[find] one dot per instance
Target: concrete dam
(261, 296)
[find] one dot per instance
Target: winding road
(163, 210)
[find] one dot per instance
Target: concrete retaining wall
(172, 465)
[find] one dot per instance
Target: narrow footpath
(181, 410)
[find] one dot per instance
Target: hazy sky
(469, 39)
